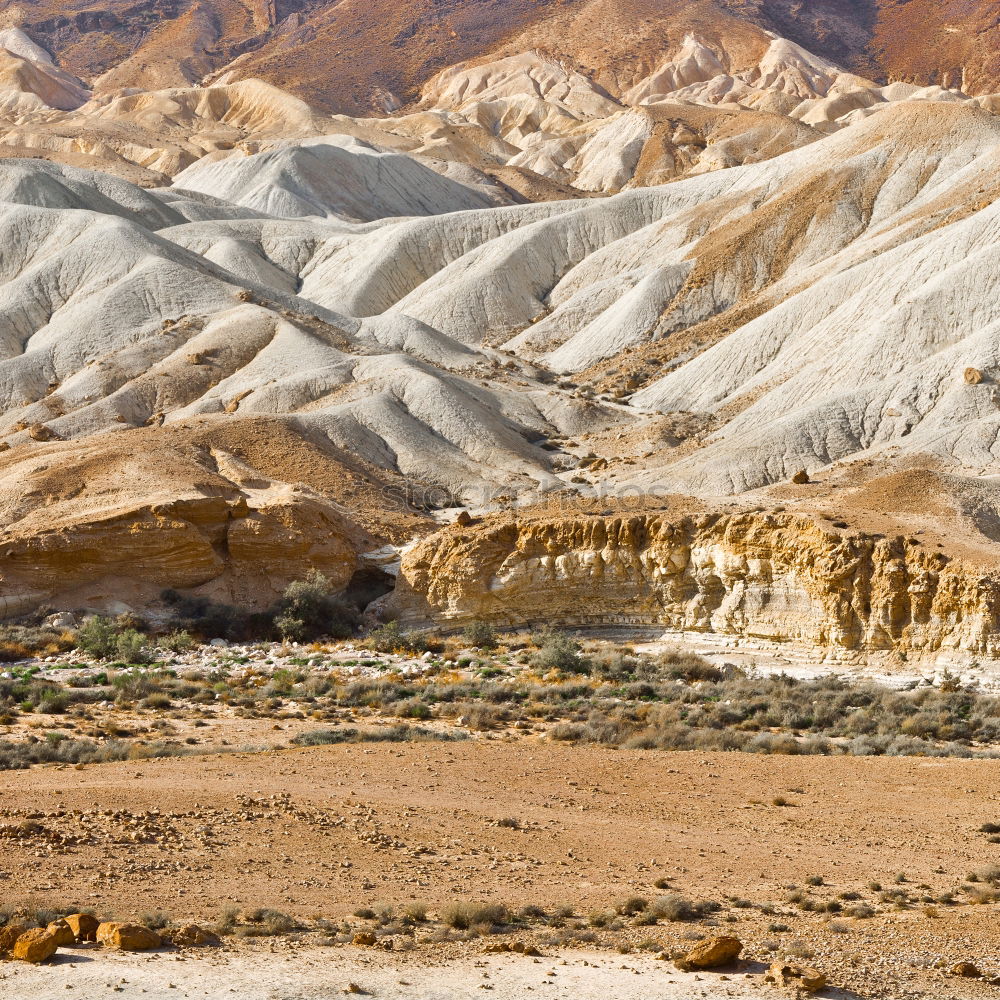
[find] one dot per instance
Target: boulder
(83, 926)
(966, 970)
(711, 953)
(365, 938)
(35, 945)
(62, 619)
(62, 932)
(193, 936)
(9, 934)
(798, 977)
(801, 477)
(40, 432)
(127, 937)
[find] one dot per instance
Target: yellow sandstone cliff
(782, 577)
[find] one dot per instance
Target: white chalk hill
(819, 305)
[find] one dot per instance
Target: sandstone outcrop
(711, 953)
(35, 945)
(62, 933)
(801, 978)
(9, 933)
(192, 936)
(128, 518)
(127, 937)
(83, 925)
(777, 576)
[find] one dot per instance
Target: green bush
(308, 609)
(178, 641)
(390, 638)
(482, 635)
(106, 639)
(559, 651)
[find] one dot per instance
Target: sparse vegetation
(309, 609)
(559, 651)
(21, 642)
(113, 640)
(482, 635)
(463, 916)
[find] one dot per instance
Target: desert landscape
(499, 496)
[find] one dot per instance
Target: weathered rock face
(782, 577)
(127, 515)
(255, 551)
(62, 933)
(193, 936)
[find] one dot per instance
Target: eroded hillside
(729, 272)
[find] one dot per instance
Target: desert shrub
(686, 666)
(208, 619)
(107, 639)
(134, 685)
(131, 647)
(615, 666)
(415, 913)
(392, 638)
(309, 609)
(631, 905)
(678, 908)
(559, 651)
(988, 873)
(482, 635)
(157, 701)
(99, 637)
(461, 916)
(388, 734)
(21, 642)
(20, 755)
(178, 641)
(268, 923)
(53, 703)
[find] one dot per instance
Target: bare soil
(318, 832)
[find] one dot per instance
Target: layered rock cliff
(202, 508)
(779, 576)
